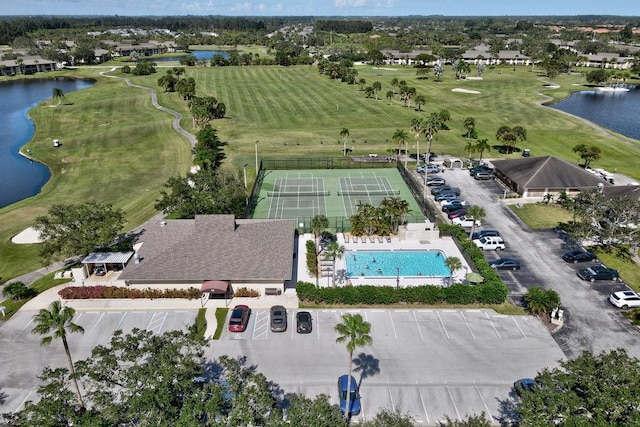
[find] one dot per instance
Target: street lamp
(257, 158)
(397, 276)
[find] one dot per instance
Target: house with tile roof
(214, 253)
(537, 176)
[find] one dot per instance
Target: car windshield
(236, 315)
(343, 395)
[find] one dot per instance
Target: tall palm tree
(319, 223)
(470, 125)
(470, 148)
(481, 146)
(417, 127)
(400, 137)
(431, 127)
(453, 263)
(477, 213)
(353, 331)
(344, 133)
(377, 87)
(334, 251)
(58, 94)
(55, 322)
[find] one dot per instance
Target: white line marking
(96, 324)
(424, 407)
(454, 403)
(484, 403)
(418, 325)
(121, 320)
(443, 327)
(393, 326)
(467, 323)
(521, 331)
(163, 321)
(492, 325)
(393, 406)
(23, 329)
(25, 399)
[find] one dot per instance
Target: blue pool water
(386, 263)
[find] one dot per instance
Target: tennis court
(301, 195)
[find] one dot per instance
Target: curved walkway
(154, 101)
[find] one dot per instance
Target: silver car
(278, 318)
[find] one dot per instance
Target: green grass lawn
(540, 216)
(119, 149)
(620, 260)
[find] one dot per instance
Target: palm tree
(417, 127)
(541, 301)
(319, 223)
(481, 146)
(17, 291)
(394, 84)
(57, 321)
(453, 263)
(470, 125)
(470, 148)
(477, 213)
(420, 101)
(390, 94)
(353, 331)
(377, 87)
(430, 128)
(334, 251)
(400, 137)
(438, 71)
(58, 94)
(506, 135)
(344, 133)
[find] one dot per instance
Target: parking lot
(429, 363)
(590, 322)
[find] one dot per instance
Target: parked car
(483, 175)
(436, 181)
(428, 168)
(505, 264)
(445, 188)
(480, 168)
(579, 255)
(483, 233)
(448, 202)
(453, 206)
(490, 243)
(524, 385)
(598, 272)
(625, 299)
(100, 271)
(304, 322)
(278, 318)
(463, 221)
(445, 195)
(354, 398)
(239, 318)
(457, 213)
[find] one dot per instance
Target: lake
(19, 177)
(618, 111)
(199, 54)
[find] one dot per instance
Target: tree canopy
(78, 229)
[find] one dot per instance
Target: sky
(321, 7)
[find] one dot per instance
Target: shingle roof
(632, 191)
(215, 247)
(546, 172)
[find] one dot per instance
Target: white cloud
(350, 3)
(197, 6)
(242, 6)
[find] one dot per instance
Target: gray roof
(546, 172)
(632, 191)
(215, 247)
(107, 258)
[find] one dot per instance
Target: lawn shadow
(367, 365)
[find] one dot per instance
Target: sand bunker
(26, 237)
(457, 89)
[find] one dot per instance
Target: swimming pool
(386, 263)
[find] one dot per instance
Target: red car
(239, 318)
(457, 213)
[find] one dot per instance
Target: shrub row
(244, 292)
(116, 292)
(312, 261)
(491, 291)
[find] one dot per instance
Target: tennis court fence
(323, 163)
(297, 193)
(368, 193)
(418, 192)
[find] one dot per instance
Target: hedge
(491, 291)
(312, 260)
(117, 292)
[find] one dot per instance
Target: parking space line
(122, 320)
(453, 402)
(424, 406)
(520, 329)
(393, 326)
(260, 325)
(492, 325)
(25, 399)
(467, 323)
(393, 406)
(23, 329)
(443, 327)
(485, 404)
(418, 325)
(96, 324)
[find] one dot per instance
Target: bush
(117, 292)
(244, 292)
(312, 262)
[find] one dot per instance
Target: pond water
(200, 54)
(618, 111)
(19, 177)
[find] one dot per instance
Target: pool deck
(445, 244)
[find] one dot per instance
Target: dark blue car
(354, 399)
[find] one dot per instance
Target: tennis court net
(369, 193)
(297, 194)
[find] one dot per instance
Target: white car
(625, 299)
(465, 222)
(490, 243)
(446, 202)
